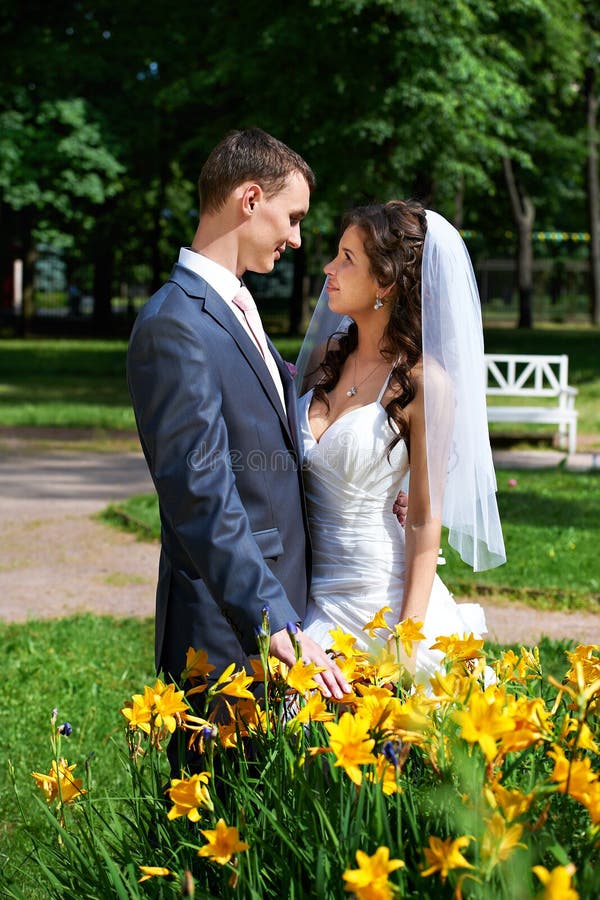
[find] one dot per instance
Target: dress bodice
(348, 472)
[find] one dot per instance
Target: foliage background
(108, 111)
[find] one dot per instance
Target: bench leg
(563, 431)
(572, 438)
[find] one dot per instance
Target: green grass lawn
(64, 383)
(550, 522)
(86, 667)
(79, 383)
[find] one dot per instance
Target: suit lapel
(218, 309)
(289, 391)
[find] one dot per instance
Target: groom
(215, 410)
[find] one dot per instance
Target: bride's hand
(400, 507)
(331, 682)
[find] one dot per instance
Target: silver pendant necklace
(354, 389)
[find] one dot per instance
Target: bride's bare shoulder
(439, 384)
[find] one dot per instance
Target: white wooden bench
(522, 375)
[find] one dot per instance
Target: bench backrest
(511, 374)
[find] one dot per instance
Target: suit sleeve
(177, 400)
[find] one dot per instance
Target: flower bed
(475, 786)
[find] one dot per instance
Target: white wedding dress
(358, 544)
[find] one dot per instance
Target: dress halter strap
(386, 382)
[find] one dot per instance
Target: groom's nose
(295, 238)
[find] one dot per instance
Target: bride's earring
(378, 302)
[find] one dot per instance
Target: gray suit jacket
(224, 458)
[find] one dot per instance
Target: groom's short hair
(248, 155)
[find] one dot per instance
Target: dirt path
(55, 559)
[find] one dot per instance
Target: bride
(398, 388)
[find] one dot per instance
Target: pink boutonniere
(291, 368)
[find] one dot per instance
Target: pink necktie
(244, 301)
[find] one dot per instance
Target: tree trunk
(7, 257)
(157, 224)
(104, 258)
(524, 215)
(299, 298)
(459, 203)
(28, 252)
(593, 193)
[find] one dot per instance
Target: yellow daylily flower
(236, 685)
(588, 658)
(557, 883)
(301, 677)
(583, 738)
(223, 843)
(314, 710)
(452, 686)
(188, 795)
(408, 633)
(228, 735)
(583, 692)
(370, 880)
(59, 783)
(248, 714)
(513, 803)
(378, 621)
(484, 721)
(276, 668)
(374, 708)
(386, 776)
(169, 705)
(197, 723)
(343, 643)
(138, 713)
(455, 647)
(386, 667)
(355, 668)
(574, 776)
(374, 891)
(225, 676)
(532, 723)
(521, 668)
(506, 665)
(378, 691)
(441, 856)
(196, 665)
(499, 842)
(153, 872)
(529, 666)
(349, 739)
(592, 802)
(161, 706)
(412, 719)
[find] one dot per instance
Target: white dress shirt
(226, 284)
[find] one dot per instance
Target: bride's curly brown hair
(394, 234)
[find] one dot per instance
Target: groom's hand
(331, 682)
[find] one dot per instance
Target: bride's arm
(422, 529)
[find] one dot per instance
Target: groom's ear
(252, 195)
